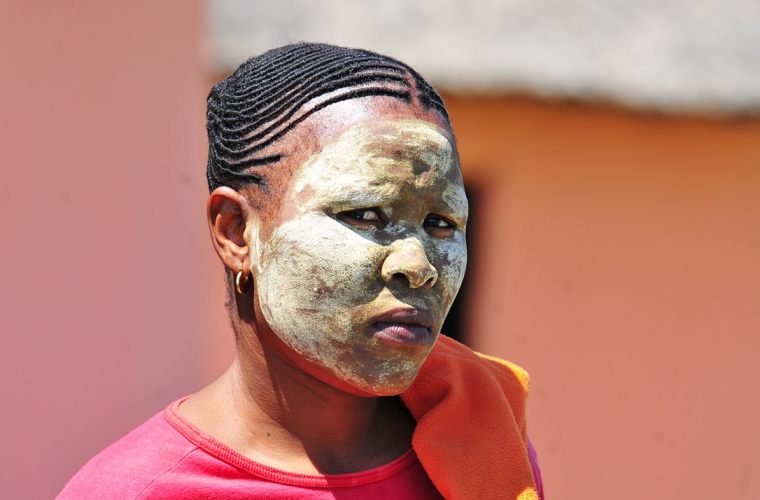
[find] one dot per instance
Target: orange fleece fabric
(471, 434)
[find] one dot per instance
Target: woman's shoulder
(162, 459)
(131, 464)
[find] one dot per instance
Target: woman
(338, 210)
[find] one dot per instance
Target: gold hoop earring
(242, 282)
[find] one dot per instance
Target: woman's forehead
(329, 123)
(345, 130)
(377, 162)
(382, 151)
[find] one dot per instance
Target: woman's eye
(436, 222)
(367, 215)
(439, 224)
(364, 216)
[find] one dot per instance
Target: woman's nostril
(401, 277)
(429, 283)
(407, 261)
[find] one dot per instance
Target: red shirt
(169, 458)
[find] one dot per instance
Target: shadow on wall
(456, 324)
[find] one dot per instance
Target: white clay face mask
(360, 274)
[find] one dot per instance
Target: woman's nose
(407, 259)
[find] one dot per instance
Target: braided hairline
(270, 94)
(241, 177)
(312, 71)
(242, 147)
(250, 135)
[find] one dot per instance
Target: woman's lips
(401, 333)
(404, 326)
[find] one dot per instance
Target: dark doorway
(455, 325)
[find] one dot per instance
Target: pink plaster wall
(104, 256)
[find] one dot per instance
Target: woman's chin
(389, 385)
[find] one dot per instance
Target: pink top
(169, 458)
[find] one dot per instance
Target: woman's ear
(226, 210)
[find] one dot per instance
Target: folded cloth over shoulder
(471, 433)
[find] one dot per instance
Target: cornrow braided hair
(270, 94)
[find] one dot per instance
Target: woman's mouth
(404, 326)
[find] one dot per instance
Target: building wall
(618, 261)
(104, 254)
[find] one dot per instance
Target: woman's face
(367, 253)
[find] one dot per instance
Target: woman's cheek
(313, 270)
(453, 258)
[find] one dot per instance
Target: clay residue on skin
(319, 279)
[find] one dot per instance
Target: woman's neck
(274, 413)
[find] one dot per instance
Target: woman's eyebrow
(362, 197)
(366, 189)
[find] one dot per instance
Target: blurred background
(611, 150)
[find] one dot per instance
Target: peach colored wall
(104, 257)
(619, 262)
(620, 265)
